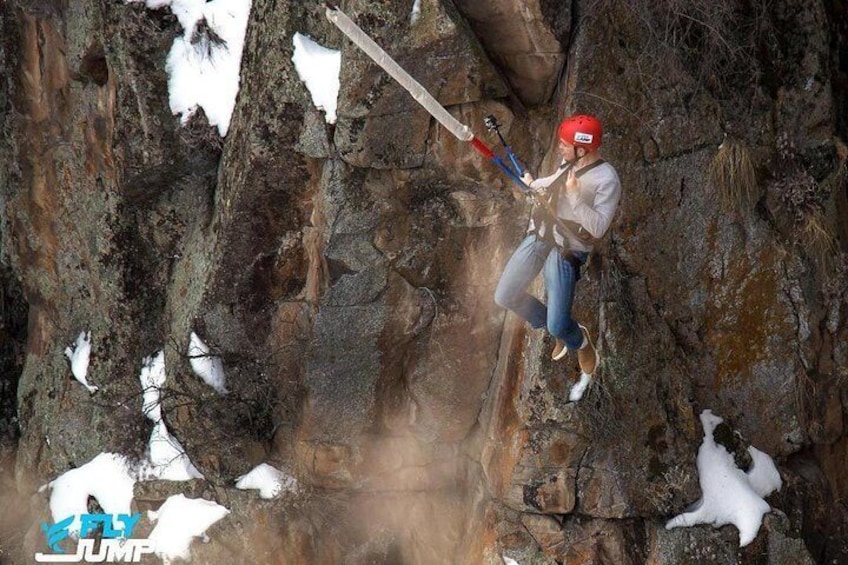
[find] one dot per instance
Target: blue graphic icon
(57, 532)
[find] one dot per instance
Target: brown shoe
(587, 355)
(559, 350)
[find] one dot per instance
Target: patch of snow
(167, 459)
(205, 365)
(510, 561)
(318, 68)
(178, 521)
(579, 388)
(416, 12)
(204, 63)
(729, 495)
(269, 481)
(152, 379)
(79, 357)
(763, 474)
(107, 478)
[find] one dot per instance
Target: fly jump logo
(580, 137)
(115, 547)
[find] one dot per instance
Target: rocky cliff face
(345, 276)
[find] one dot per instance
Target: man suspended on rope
(574, 208)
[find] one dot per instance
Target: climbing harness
(544, 215)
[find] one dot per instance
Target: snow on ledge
(107, 477)
(152, 379)
(204, 63)
(318, 67)
(268, 480)
(166, 457)
(79, 357)
(205, 365)
(729, 495)
(416, 12)
(178, 521)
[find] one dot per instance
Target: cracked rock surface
(344, 275)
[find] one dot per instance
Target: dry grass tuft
(665, 492)
(601, 406)
(616, 290)
(732, 174)
(809, 202)
(819, 239)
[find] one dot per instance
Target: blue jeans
(560, 277)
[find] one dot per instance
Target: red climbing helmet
(581, 131)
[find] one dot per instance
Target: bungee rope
(420, 94)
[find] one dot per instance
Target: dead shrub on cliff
(733, 176)
(719, 42)
(819, 238)
(666, 491)
(805, 200)
(615, 289)
(600, 407)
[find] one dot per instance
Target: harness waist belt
(568, 255)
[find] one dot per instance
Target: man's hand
(528, 179)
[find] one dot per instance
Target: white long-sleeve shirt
(592, 206)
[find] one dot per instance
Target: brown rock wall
(528, 44)
(345, 275)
